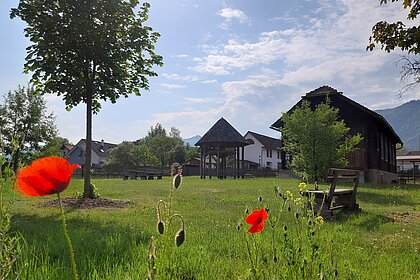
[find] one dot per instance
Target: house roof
(99, 147)
(67, 147)
(266, 141)
(222, 132)
(329, 91)
(413, 153)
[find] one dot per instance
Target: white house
(262, 151)
(99, 152)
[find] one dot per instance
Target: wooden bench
(326, 202)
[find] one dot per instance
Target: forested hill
(405, 120)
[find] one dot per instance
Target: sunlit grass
(381, 242)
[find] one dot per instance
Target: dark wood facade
(377, 150)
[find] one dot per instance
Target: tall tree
(156, 130)
(398, 35)
(25, 124)
(88, 51)
(317, 140)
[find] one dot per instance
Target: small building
(375, 156)
(100, 153)
(263, 152)
(409, 162)
(222, 146)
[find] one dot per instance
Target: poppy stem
(66, 235)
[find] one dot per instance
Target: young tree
(52, 147)
(397, 35)
(317, 140)
(24, 124)
(88, 51)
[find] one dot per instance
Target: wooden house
(375, 156)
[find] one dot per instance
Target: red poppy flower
(256, 220)
(45, 176)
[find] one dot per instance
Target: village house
(262, 151)
(375, 156)
(409, 162)
(100, 153)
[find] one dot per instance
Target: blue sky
(246, 61)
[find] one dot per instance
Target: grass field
(380, 242)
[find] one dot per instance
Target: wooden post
(237, 162)
(218, 162)
(243, 162)
(209, 166)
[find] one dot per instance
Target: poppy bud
(177, 181)
(180, 237)
(260, 199)
(160, 227)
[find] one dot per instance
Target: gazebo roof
(224, 133)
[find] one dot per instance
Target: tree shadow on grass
(99, 246)
(385, 199)
(407, 187)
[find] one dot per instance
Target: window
(378, 143)
(278, 154)
(386, 149)
(269, 153)
(382, 145)
(268, 163)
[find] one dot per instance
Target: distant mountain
(192, 140)
(405, 120)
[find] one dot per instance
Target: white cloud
(182, 56)
(177, 77)
(229, 14)
(172, 86)
(203, 100)
(209, 81)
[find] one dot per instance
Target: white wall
(254, 151)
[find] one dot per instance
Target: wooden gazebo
(222, 149)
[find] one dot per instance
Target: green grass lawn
(380, 242)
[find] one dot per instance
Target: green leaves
(81, 46)
(316, 139)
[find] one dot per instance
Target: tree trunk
(88, 188)
(15, 158)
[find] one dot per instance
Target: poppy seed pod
(161, 227)
(180, 237)
(177, 181)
